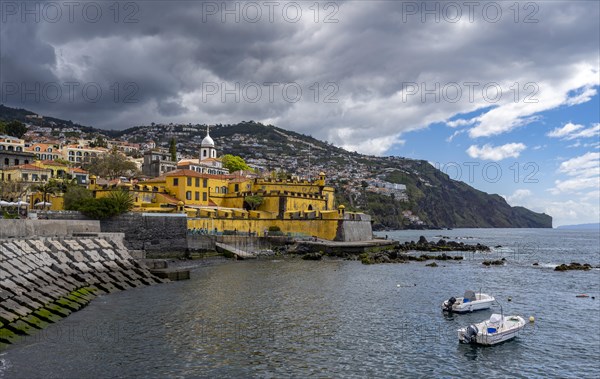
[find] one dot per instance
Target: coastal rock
(573, 266)
(498, 262)
(313, 256)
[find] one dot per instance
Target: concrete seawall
(43, 279)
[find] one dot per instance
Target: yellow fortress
(242, 204)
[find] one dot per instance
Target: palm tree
(48, 188)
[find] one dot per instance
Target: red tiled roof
(28, 167)
(158, 179)
(170, 199)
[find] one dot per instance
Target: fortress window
(188, 195)
(175, 181)
(204, 196)
(189, 183)
(197, 196)
(197, 183)
(204, 183)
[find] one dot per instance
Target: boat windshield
(470, 295)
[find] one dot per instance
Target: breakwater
(43, 279)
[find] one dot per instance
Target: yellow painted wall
(325, 229)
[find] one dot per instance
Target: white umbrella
(4, 203)
(42, 204)
(21, 203)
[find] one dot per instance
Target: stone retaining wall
(158, 235)
(43, 279)
(46, 228)
(356, 229)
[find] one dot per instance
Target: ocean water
(333, 318)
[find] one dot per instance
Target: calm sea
(333, 318)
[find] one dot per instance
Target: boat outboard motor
(471, 334)
(449, 304)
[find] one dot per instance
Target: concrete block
(108, 254)
(92, 255)
(76, 256)
(24, 246)
(103, 243)
(13, 267)
(97, 266)
(9, 285)
(39, 297)
(7, 316)
(88, 243)
(55, 246)
(3, 274)
(27, 302)
(38, 245)
(58, 310)
(72, 245)
(16, 308)
(60, 256)
(46, 315)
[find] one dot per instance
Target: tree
(114, 204)
(99, 141)
(75, 196)
(254, 201)
(12, 190)
(48, 188)
(15, 129)
(234, 163)
(123, 200)
(112, 165)
(173, 149)
(2, 127)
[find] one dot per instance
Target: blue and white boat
(470, 302)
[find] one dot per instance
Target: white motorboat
(498, 328)
(470, 302)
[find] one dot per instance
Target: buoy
(582, 295)
(397, 285)
(531, 319)
(509, 298)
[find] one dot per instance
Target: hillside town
(50, 150)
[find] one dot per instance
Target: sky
(501, 95)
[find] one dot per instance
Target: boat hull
(484, 302)
(511, 327)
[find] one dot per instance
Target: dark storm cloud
(156, 66)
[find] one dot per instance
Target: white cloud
(518, 196)
(462, 122)
(565, 130)
(496, 153)
(543, 94)
(583, 172)
(572, 131)
(587, 164)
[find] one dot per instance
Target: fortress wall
(43, 279)
(355, 227)
(156, 234)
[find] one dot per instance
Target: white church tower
(207, 147)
